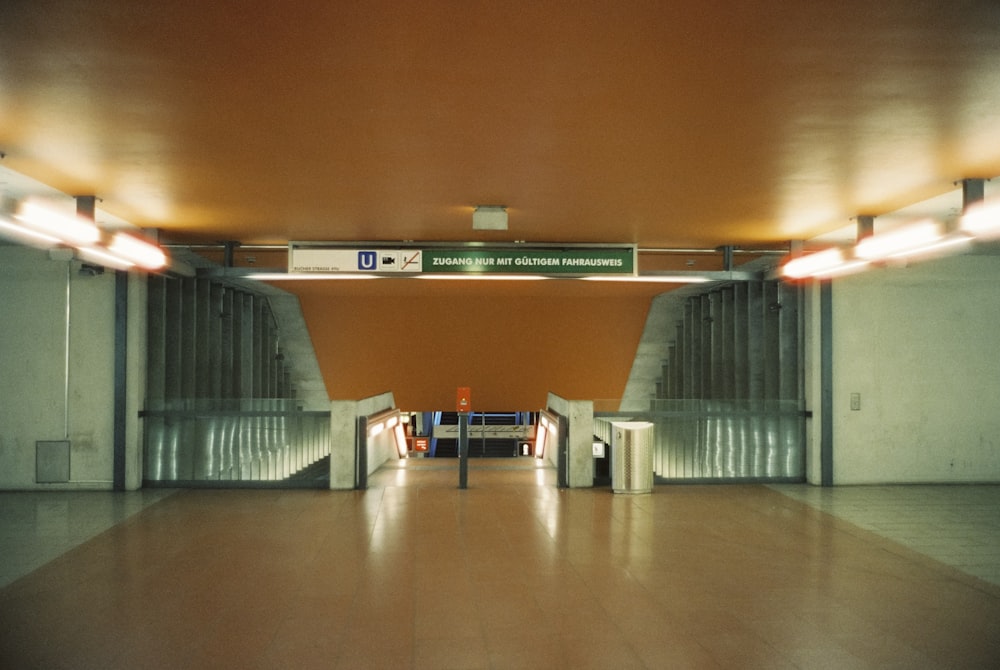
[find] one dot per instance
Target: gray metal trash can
(632, 457)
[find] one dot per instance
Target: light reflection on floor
(422, 472)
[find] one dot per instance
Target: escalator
(483, 442)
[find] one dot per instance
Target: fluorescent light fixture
(547, 430)
(400, 437)
(102, 257)
(540, 436)
(808, 266)
(472, 276)
(69, 228)
(982, 220)
(943, 247)
(389, 420)
(479, 276)
(25, 235)
(489, 217)
(911, 236)
(848, 267)
(37, 223)
(140, 252)
(313, 276)
(651, 279)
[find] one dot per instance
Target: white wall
(33, 378)
(919, 345)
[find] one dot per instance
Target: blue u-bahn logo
(367, 260)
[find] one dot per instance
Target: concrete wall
(40, 400)
(343, 428)
(919, 345)
(580, 415)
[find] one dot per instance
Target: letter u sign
(367, 260)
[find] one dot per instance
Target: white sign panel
(354, 260)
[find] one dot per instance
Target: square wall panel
(52, 461)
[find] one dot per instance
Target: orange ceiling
(666, 124)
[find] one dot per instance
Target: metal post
(361, 454)
(727, 258)
(866, 226)
(463, 450)
(228, 249)
(121, 364)
(826, 382)
(562, 461)
(973, 191)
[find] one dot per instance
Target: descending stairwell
(234, 391)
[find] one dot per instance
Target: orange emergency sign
(463, 400)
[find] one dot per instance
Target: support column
(563, 456)
(826, 382)
(463, 450)
(343, 444)
(86, 207)
(121, 390)
(361, 454)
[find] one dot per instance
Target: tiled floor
(36, 527)
(958, 525)
(511, 573)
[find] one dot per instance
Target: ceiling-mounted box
(489, 217)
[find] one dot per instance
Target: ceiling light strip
(982, 220)
(25, 235)
(41, 225)
(68, 228)
(922, 240)
(909, 237)
(138, 251)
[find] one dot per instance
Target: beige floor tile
(510, 573)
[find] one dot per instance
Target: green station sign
(579, 260)
(557, 261)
